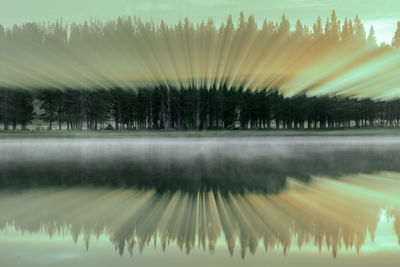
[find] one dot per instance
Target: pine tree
(48, 105)
(284, 26)
(317, 29)
(24, 110)
(345, 34)
(359, 30)
(371, 37)
(396, 38)
(298, 33)
(334, 26)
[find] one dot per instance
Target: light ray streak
(129, 53)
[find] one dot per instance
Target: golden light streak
(129, 53)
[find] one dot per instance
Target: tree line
(188, 109)
(127, 74)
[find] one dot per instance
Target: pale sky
(383, 15)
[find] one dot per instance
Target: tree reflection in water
(327, 213)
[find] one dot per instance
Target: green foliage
(16, 108)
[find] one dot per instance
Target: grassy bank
(210, 133)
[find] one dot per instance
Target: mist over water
(191, 164)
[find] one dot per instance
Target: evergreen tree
(284, 26)
(48, 105)
(371, 37)
(317, 29)
(359, 30)
(345, 34)
(334, 27)
(396, 37)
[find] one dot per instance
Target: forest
(188, 109)
(126, 75)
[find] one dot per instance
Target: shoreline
(203, 133)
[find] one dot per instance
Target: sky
(383, 15)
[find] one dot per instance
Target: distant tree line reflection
(326, 215)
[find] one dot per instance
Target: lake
(218, 201)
